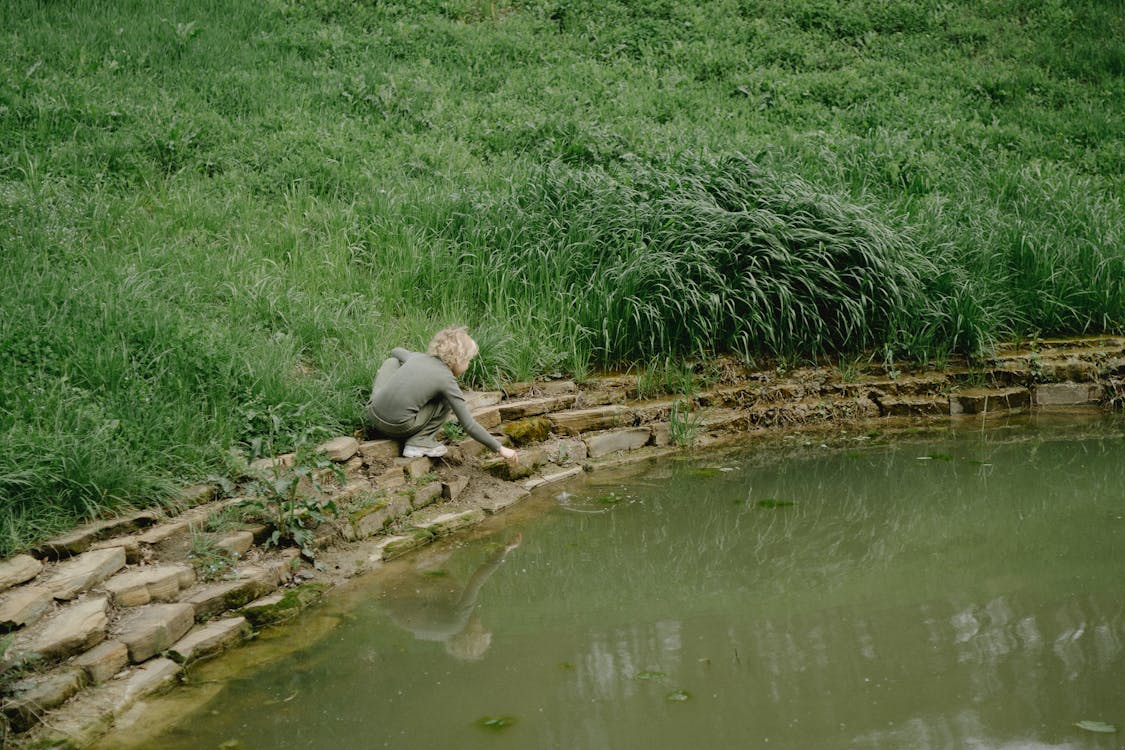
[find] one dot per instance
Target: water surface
(961, 591)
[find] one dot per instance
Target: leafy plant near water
(284, 495)
(684, 424)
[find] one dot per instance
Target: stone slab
(487, 418)
(535, 406)
(17, 570)
(214, 598)
(103, 661)
(147, 679)
(236, 544)
(204, 640)
(151, 629)
(577, 421)
(552, 478)
(46, 692)
(156, 583)
(130, 544)
(78, 574)
(379, 451)
(165, 532)
(339, 449)
(986, 400)
(603, 443)
(452, 488)
(76, 628)
(81, 539)
(482, 399)
(416, 468)
(389, 479)
(372, 520)
(1067, 394)
(426, 494)
(24, 606)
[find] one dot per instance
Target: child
(413, 394)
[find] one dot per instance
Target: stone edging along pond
(115, 610)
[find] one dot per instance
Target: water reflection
(423, 597)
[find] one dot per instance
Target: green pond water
(964, 589)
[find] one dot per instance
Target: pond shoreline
(113, 612)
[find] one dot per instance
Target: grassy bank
(215, 218)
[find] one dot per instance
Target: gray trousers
(422, 428)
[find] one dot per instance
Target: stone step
(148, 630)
(211, 599)
(214, 636)
(104, 661)
(1067, 394)
(24, 606)
(17, 570)
(989, 400)
(513, 410)
(76, 628)
(611, 441)
(577, 421)
(43, 692)
(157, 583)
(78, 574)
(911, 406)
(80, 540)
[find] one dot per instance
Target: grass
(217, 218)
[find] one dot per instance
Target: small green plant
(453, 432)
(210, 562)
(684, 424)
(282, 495)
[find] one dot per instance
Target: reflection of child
(433, 611)
(413, 394)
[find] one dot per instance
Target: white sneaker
(417, 451)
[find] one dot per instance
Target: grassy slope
(216, 217)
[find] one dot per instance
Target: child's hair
(453, 346)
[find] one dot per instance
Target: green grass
(216, 218)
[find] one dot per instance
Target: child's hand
(509, 455)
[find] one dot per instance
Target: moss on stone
(527, 431)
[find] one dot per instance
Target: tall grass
(214, 215)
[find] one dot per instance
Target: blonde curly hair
(453, 346)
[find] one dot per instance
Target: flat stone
(17, 570)
(104, 661)
(482, 399)
(204, 640)
(451, 489)
(81, 539)
(661, 433)
(447, 523)
(236, 544)
(24, 606)
(376, 451)
(535, 406)
(577, 421)
(909, 406)
(552, 478)
(269, 465)
(416, 468)
(158, 583)
(219, 597)
(394, 546)
(339, 449)
(281, 606)
(165, 532)
(987, 400)
(76, 628)
(78, 574)
(657, 409)
(529, 460)
(148, 630)
(373, 519)
(602, 443)
(389, 479)
(1067, 394)
(48, 691)
(487, 418)
(426, 494)
(147, 679)
(494, 505)
(470, 448)
(565, 451)
(130, 544)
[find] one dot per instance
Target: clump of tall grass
(687, 255)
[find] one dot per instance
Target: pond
(964, 589)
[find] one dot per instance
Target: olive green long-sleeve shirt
(419, 380)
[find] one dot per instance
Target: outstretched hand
(509, 455)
